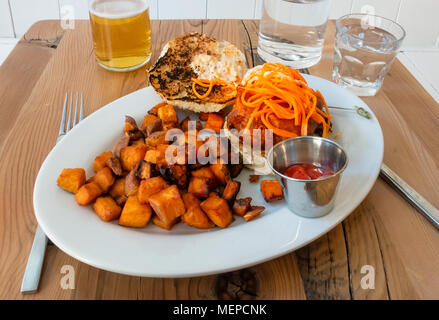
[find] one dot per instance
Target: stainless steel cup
(308, 198)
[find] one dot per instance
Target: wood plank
(42, 39)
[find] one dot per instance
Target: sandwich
(276, 101)
(198, 73)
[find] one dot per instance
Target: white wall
(419, 17)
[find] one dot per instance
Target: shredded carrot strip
(281, 91)
(225, 86)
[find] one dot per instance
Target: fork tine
(63, 118)
(70, 113)
(81, 113)
(76, 109)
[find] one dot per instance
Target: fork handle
(413, 197)
(34, 264)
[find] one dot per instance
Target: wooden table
(384, 231)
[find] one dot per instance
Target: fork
(35, 261)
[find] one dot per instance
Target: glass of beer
(121, 33)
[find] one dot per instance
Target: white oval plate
(186, 251)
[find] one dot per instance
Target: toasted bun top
(194, 55)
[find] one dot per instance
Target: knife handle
(414, 198)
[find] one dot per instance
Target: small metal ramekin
(308, 198)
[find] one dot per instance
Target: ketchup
(307, 172)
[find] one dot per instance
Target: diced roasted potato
(114, 164)
(231, 191)
(241, 206)
(194, 216)
(204, 116)
(167, 204)
(71, 179)
(221, 172)
(156, 155)
(215, 122)
(149, 118)
(138, 142)
(271, 190)
(217, 210)
(106, 208)
(169, 125)
(159, 223)
(167, 114)
(135, 214)
(131, 155)
(88, 193)
(122, 143)
(131, 183)
(253, 213)
(175, 174)
(200, 186)
(104, 178)
(121, 200)
(149, 187)
(153, 127)
(130, 124)
(205, 172)
(156, 138)
(101, 160)
(218, 144)
(118, 188)
(235, 170)
(145, 170)
(154, 110)
(184, 125)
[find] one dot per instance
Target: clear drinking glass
(121, 33)
(292, 31)
(365, 47)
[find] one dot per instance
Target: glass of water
(365, 47)
(292, 31)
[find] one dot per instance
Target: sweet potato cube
(200, 186)
(135, 214)
(138, 142)
(71, 179)
(150, 186)
(154, 110)
(241, 206)
(205, 172)
(231, 191)
(156, 138)
(145, 169)
(217, 210)
(88, 193)
(100, 160)
(159, 223)
(194, 216)
(118, 188)
(204, 116)
(167, 114)
(253, 213)
(271, 190)
(148, 119)
(215, 122)
(104, 178)
(106, 208)
(167, 204)
(131, 155)
(221, 172)
(131, 183)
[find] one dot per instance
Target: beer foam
(118, 9)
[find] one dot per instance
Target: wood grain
(384, 231)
